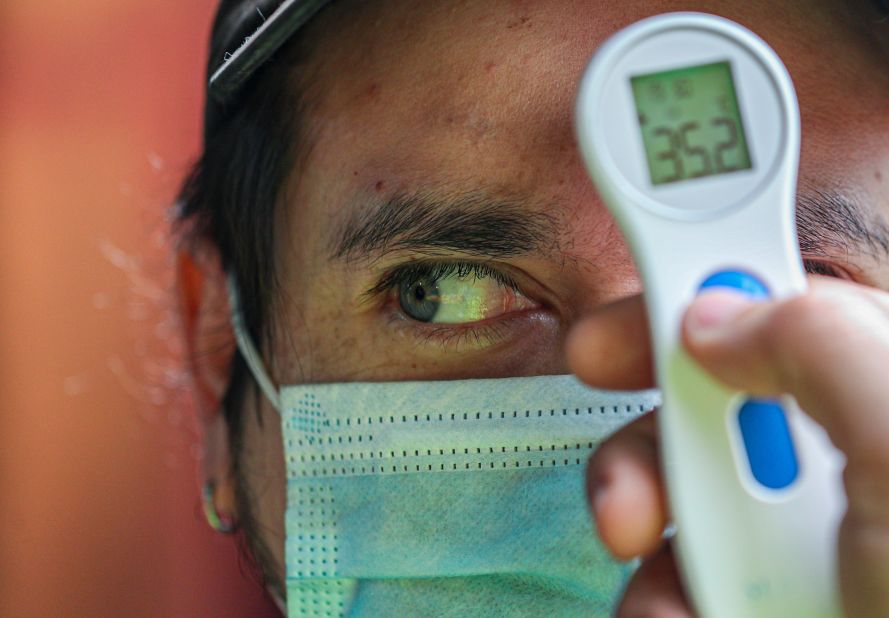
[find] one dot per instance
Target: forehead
(414, 95)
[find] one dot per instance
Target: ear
(209, 348)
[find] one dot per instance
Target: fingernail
(711, 315)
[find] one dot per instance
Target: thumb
(829, 348)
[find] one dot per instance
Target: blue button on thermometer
(689, 126)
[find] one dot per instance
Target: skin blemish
(490, 66)
(373, 90)
(522, 22)
(879, 176)
(379, 186)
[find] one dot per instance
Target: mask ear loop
(248, 350)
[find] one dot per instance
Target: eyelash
(408, 273)
(815, 267)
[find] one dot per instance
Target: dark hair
(229, 199)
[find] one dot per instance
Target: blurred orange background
(100, 106)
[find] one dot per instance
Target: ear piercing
(222, 523)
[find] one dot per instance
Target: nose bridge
(592, 247)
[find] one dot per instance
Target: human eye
(453, 301)
(453, 293)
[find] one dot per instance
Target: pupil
(419, 292)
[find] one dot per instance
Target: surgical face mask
(446, 498)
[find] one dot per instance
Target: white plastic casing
(744, 550)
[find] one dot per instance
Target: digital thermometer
(689, 126)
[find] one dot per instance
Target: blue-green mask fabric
(451, 498)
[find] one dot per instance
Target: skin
(478, 97)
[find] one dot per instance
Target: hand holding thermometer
(689, 126)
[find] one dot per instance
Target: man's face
(442, 225)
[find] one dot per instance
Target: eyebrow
(470, 223)
(828, 223)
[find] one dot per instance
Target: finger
(655, 590)
(625, 491)
(830, 349)
(611, 347)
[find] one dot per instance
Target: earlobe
(218, 482)
(209, 343)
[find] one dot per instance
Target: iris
(420, 299)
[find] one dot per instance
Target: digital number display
(691, 124)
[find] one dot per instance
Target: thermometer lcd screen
(691, 124)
